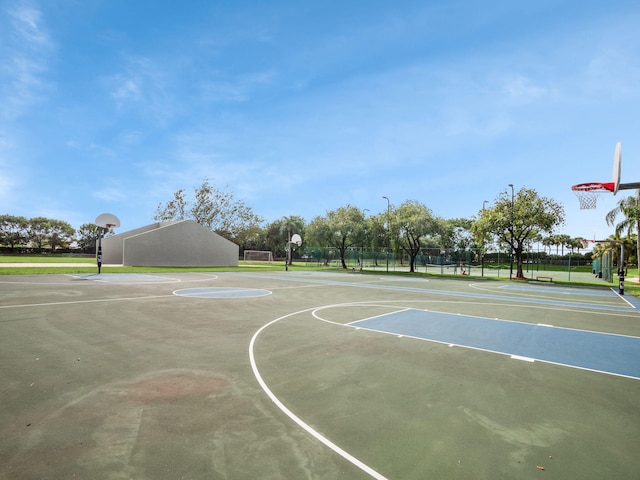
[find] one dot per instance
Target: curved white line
(293, 416)
(221, 292)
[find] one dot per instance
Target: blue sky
(302, 107)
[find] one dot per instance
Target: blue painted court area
(602, 352)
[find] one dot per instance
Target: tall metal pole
(364, 217)
(288, 256)
(621, 270)
(511, 245)
(482, 252)
(388, 228)
(99, 255)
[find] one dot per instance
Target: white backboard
(107, 220)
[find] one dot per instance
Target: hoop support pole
(629, 186)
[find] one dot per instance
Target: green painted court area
(314, 375)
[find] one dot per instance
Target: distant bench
(545, 278)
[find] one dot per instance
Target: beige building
(183, 243)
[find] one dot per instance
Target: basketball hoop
(587, 193)
(107, 220)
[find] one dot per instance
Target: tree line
(41, 234)
(513, 222)
(38, 233)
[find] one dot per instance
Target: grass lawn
(45, 259)
(633, 289)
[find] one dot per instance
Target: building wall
(181, 243)
(113, 246)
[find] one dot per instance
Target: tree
(60, 233)
(13, 230)
(577, 243)
(557, 240)
(612, 247)
(290, 226)
(39, 229)
(376, 234)
(214, 209)
(563, 240)
(413, 221)
(341, 229)
(88, 234)
(629, 207)
(515, 222)
(455, 234)
(277, 234)
(549, 241)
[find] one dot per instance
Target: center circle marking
(222, 292)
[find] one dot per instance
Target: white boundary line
(77, 302)
(344, 454)
(620, 296)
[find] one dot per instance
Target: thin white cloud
(143, 86)
(26, 47)
(238, 88)
(523, 89)
(9, 171)
(110, 194)
(130, 137)
(127, 90)
(28, 25)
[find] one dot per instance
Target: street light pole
(288, 250)
(484, 202)
(388, 228)
(364, 217)
(512, 227)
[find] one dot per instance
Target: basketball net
(587, 193)
(588, 199)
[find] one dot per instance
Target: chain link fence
(449, 261)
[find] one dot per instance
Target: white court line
(344, 454)
(49, 304)
(524, 359)
(622, 297)
(222, 292)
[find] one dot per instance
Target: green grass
(244, 266)
(45, 259)
(53, 269)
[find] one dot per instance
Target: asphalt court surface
(155, 376)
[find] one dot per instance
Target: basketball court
(315, 375)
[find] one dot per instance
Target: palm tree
(563, 241)
(549, 242)
(630, 208)
(288, 226)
